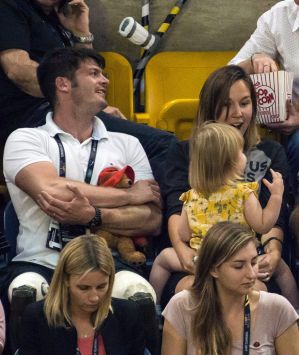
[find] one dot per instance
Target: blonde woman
(217, 163)
(78, 316)
(222, 314)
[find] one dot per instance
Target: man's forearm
(144, 191)
(133, 221)
(42, 176)
(274, 244)
(21, 70)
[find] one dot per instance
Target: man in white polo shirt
(52, 171)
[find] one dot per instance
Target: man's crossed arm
(133, 211)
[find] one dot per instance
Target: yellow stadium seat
(177, 116)
(173, 81)
(120, 90)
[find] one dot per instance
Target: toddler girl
(218, 194)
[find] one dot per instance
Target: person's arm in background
(14, 49)
(259, 52)
(259, 55)
(2, 328)
(15, 38)
(16, 61)
(77, 21)
(270, 260)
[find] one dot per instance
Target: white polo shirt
(31, 145)
(277, 34)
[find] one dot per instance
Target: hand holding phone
(74, 16)
(64, 7)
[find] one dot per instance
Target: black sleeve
(279, 163)
(14, 27)
(154, 141)
(131, 324)
(136, 333)
(175, 181)
(30, 337)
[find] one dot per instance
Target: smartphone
(64, 7)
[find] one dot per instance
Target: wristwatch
(84, 39)
(97, 219)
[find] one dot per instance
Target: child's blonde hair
(214, 149)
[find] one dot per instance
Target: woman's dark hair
(214, 96)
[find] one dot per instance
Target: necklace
(87, 333)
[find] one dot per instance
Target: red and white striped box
(272, 92)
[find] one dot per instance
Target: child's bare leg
(165, 263)
(185, 283)
(286, 282)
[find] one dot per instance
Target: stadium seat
(171, 80)
(120, 91)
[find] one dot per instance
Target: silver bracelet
(84, 39)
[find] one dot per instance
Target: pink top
(85, 346)
(274, 314)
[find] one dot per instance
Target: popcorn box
(272, 92)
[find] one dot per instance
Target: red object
(140, 241)
(112, 176)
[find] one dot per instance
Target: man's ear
(62, 84)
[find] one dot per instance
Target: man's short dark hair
(63, 62)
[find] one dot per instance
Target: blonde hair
(81, 255)
(210, 333)
(215, 95)
(214, 149)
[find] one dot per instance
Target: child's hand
(276, 188)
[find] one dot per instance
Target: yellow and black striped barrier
(163, 28)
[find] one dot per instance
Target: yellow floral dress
(227, 204)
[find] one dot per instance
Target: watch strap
(96, 221)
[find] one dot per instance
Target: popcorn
(272, 92)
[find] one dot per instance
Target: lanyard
(246, 331)
(91, 160)
(95, 346)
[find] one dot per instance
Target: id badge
(60, 234)
(54, 240)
